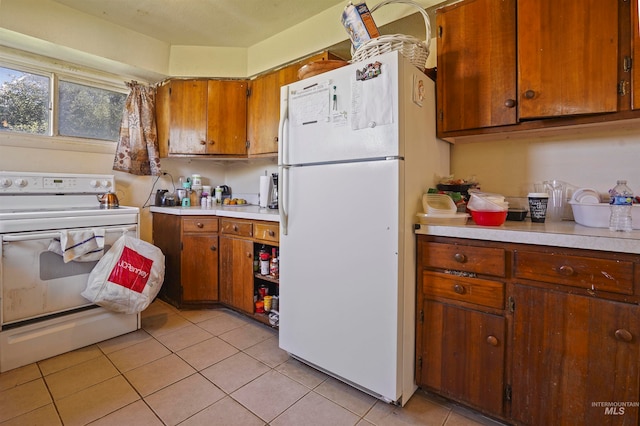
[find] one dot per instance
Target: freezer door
(335, 117)
(339, 277)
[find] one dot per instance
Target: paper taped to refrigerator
(371, 102)
(310, 105)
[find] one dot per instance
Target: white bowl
(596, 215)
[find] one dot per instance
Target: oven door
(36, 283)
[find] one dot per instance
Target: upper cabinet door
(227, 117)
(476, 79)
(188, 128)
(567, 57)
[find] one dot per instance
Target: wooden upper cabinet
(202, 116)
(227, 117)
(476, 81)
(635, 52)
(264, 105)
(264, 113)
(567, 57)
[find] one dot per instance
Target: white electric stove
(41, 311)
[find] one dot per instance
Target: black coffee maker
(273, 193)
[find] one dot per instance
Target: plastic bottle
(264, 261)
(621, 205)
(273, 265)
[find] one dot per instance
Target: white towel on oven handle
(86, 245)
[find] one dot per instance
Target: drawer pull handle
(235, 228)
(460, 258)
(492, 340)
(199, 225)
(213, 248)
(565, 270)
(271, 233)
(623, 335)
(459, 289)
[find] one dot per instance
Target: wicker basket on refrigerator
(417, 51)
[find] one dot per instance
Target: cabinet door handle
(566, 270)
(249, 255)
(213, 248)
(623, 335)
(460, 258)
(199, 225)
(275, 139)
(212, 142)
(492, 340)
(510, 103)
(529, 94)
(203, 142)
(459, 289)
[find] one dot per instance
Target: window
(24, 102)
(89, 112)
(81, 110)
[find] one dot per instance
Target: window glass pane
(24, 102)
(89, 112)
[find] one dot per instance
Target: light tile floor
(207, 367)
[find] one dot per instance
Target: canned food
(268, 303)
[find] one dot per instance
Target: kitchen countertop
(556, 234)
(245, 212)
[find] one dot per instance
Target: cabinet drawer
(236, 227)
(200, 224)
(267, 231)
(577, 271)
(465, 289)
(481, 260)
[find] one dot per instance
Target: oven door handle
(40, 236)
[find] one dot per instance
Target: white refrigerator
(357, 151)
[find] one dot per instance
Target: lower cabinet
(210, 260)
(463, 355)
(529, 334)
(236, 264)
(574, 357)
(190, 246)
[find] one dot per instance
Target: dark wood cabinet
(190, 246)
(526, 65)
(476, 83)
(461, 328)
(530, 334)
(567, 57)
(570, 353)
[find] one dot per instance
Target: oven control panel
(54, 183)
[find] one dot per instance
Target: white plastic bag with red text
(128, 277)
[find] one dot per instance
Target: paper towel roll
(264, 190)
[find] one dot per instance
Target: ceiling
(221, 23)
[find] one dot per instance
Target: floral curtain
(137, 151)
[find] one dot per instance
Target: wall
(583, 158)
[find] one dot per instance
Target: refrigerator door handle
(284, 113)
(283, 202)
